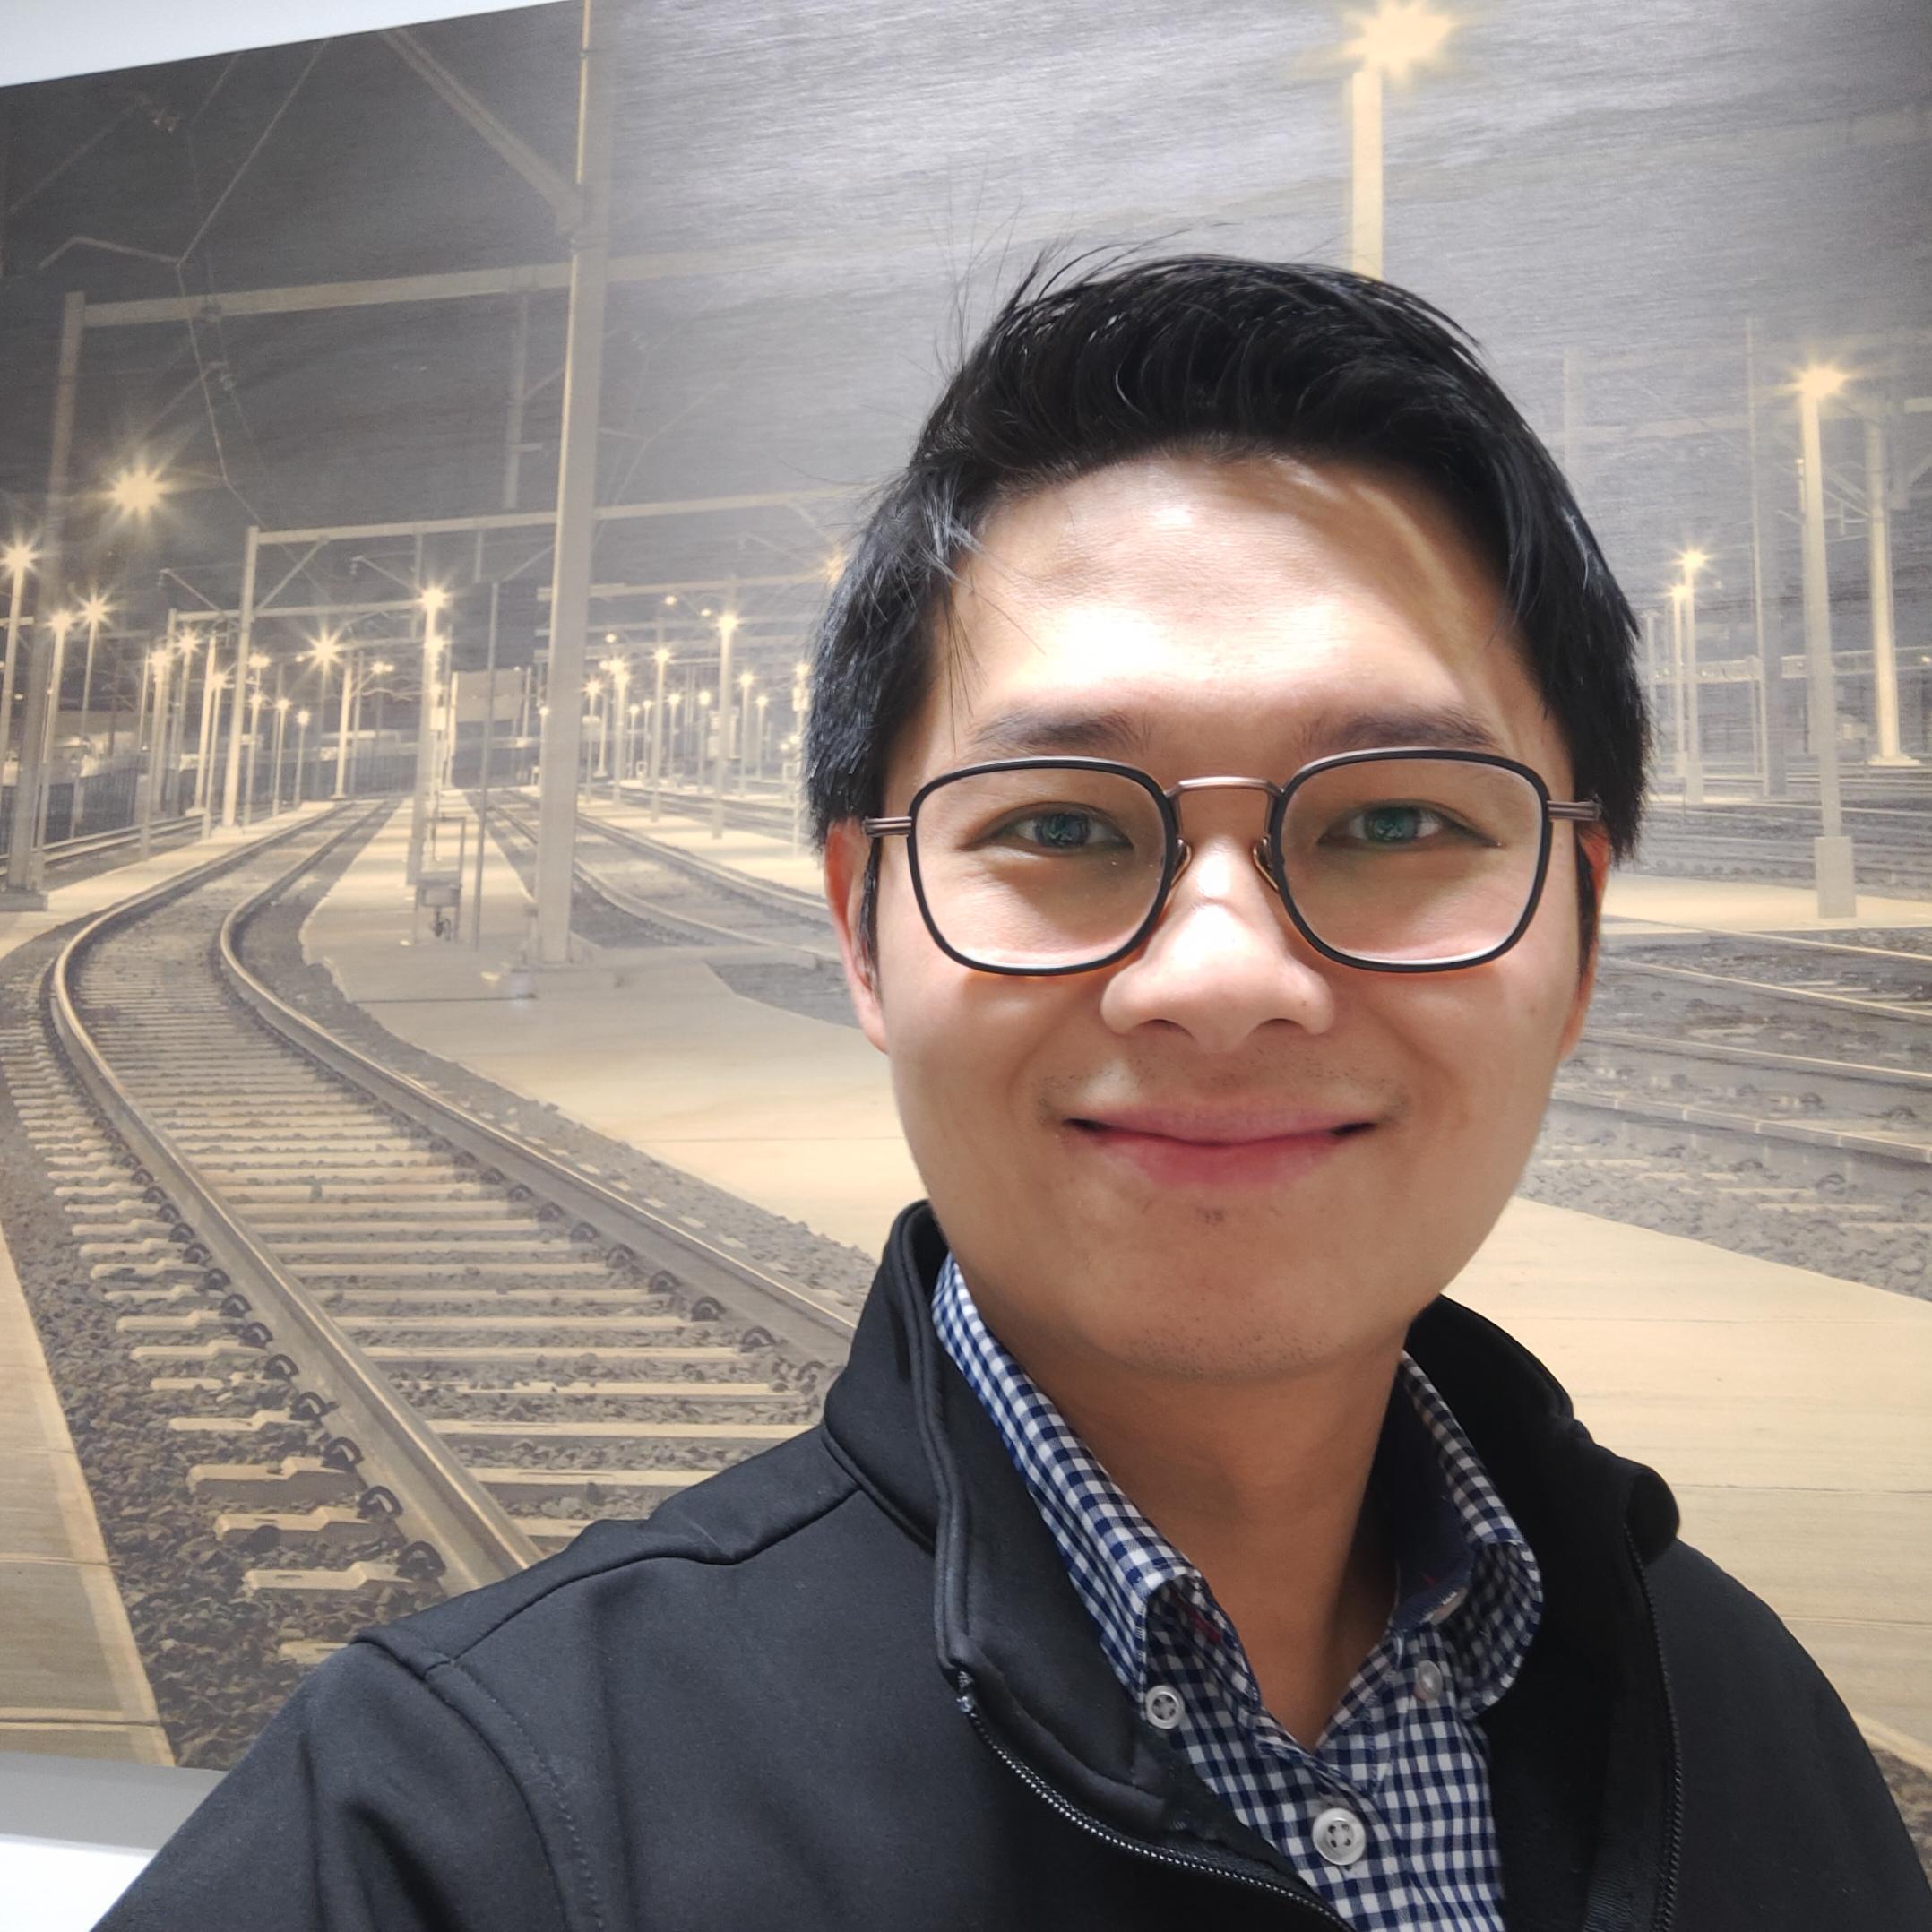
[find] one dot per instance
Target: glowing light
(137, 490)
(670, 600)
(18, 558)
(610, 637)
(326, 648)
(95, 610)
(664, 654)
(747, 681)
(158, 657)
(704, 697)
(282, 704)
(258, 660)
(434, 598)
(301, 717)
(1693, 560)
(61, 623)
(727, 622)
(834, 567)
(382, 667)
(1399, 35)
(1679, 592)
(802, 669)
(1820, 380)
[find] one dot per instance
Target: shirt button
(1339, 1836)
(1164, 1706)
(1428, 1683)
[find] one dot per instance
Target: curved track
(419, 1351)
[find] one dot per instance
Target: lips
(1221, 1126)
(1267, 1147)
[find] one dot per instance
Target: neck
(1262, 1487)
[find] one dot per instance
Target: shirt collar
(1461, 1562)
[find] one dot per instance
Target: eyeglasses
(1404, 860)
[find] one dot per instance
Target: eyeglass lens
(1391, 861)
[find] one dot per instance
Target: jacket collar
(1008, 1623)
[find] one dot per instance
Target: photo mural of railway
(431, 1114)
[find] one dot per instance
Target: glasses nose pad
(1184, 852)
(1258, 852)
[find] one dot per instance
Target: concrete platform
(72, 1682)
(757, 853)
(1788, 1410)
(1636, 903)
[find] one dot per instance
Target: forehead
(1186, 597)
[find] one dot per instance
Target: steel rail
(766, 892)
(649, 910)
(1844, 1002)
(1654, 929)
(748, 1292)
(449, 1509)
(1856, 1071)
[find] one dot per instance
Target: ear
(1593, 842)
(847, 851)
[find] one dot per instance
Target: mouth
(1185, 1149)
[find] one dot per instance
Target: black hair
(1093, 364)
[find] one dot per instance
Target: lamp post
(615, 712)
(214, 680)
(1833, 861)
(155, 680)
(257, 664)
(94, 610)
(42, 782)
(661, 657)
(18, 560)
(801, 706)
(301, 753)
(1691, 561)
(186, 644)
(1398, 36)
(432, 599)
(282, 707)
(325, 653)
(727, 626)
(761, 704)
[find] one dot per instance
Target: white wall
(46, 37)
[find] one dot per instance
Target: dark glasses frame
(1266, 852)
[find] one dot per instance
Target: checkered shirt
(1402, 1759)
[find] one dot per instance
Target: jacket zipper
(1673, 1838)
(1159, 1854)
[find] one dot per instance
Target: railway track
(410, 1352)
(677, 897)
(1772, 841)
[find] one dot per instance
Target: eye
(1393, 823)
(1060, 828)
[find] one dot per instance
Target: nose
(1224, 959)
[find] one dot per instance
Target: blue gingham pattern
(1403, 1754)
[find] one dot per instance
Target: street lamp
(18, 560)
(727, 626)
(282, 708)
(136, 490)
(257, 664)
(1691, 561)
(325, 653)
(1890, 754)
(661, 657)
(214, 682)
(94, 612)
(301, 753)
(1400, 35)
(1833, 866)
(154, 706)
(433, 599)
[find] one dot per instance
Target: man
(1222, 731)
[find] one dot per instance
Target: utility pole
(1884, 653)
(24, 858)
(238, 680)
(1833, 861)
(1770, 646)
(576, 495)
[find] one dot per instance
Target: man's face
(1195, 619)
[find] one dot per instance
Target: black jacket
(847, 1685)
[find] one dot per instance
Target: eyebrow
(1032, 732)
